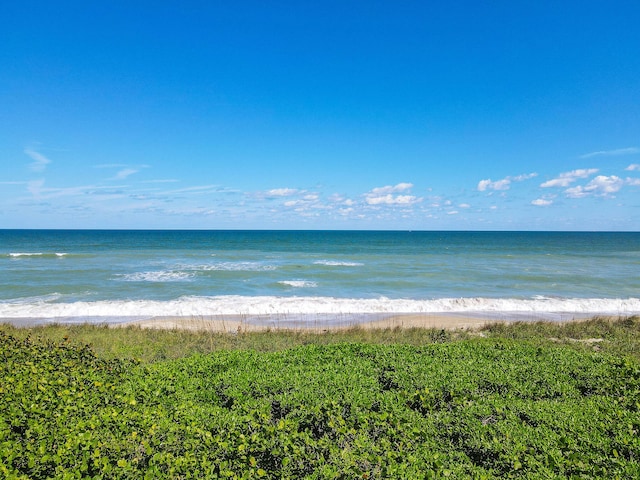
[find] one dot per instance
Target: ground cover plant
(471, 408)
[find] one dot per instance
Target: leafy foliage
(481, 408)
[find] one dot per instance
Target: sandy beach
(309, 323)
(234, 324)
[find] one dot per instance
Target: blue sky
(325, 114)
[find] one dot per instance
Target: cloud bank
(391, 205)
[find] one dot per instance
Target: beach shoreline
(444, 321)
(308, 323)
(234, 324)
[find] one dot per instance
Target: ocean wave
(35, 254)
(298, 283)
(232, 267)
(158, 276)
(336, 263)
(273, 305)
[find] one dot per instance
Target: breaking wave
(273, 305)
(35, 254)
(233, 267)
(299, 283)
(336, 263)
(158, 276)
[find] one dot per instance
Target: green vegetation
(510, 401)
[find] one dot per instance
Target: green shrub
(472, 409)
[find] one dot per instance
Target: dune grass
(150, 345)
(618, 336)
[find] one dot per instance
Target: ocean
(117, 275)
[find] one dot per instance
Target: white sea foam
(35, 254)
(299, 283)
(233, 267)
(336, 263)
(271, 305)
(158, 276)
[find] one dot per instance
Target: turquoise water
(110, 274)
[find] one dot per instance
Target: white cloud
(392, 200)
(525, 176)
(125, 170)
(401, 187)
(281, 192)
(384, 195)
(503, 184)
(40, 162)
(484, 184)
(541, 202)
(576, 192)
(567, 178)
(634, 182)
(464, 205)
(124, 173)
(304, 203)
(633, 167)
(601, 186)
(609, 153)
(338, 199)
(605, 185)
(487, 184)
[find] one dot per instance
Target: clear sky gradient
(502, 115)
